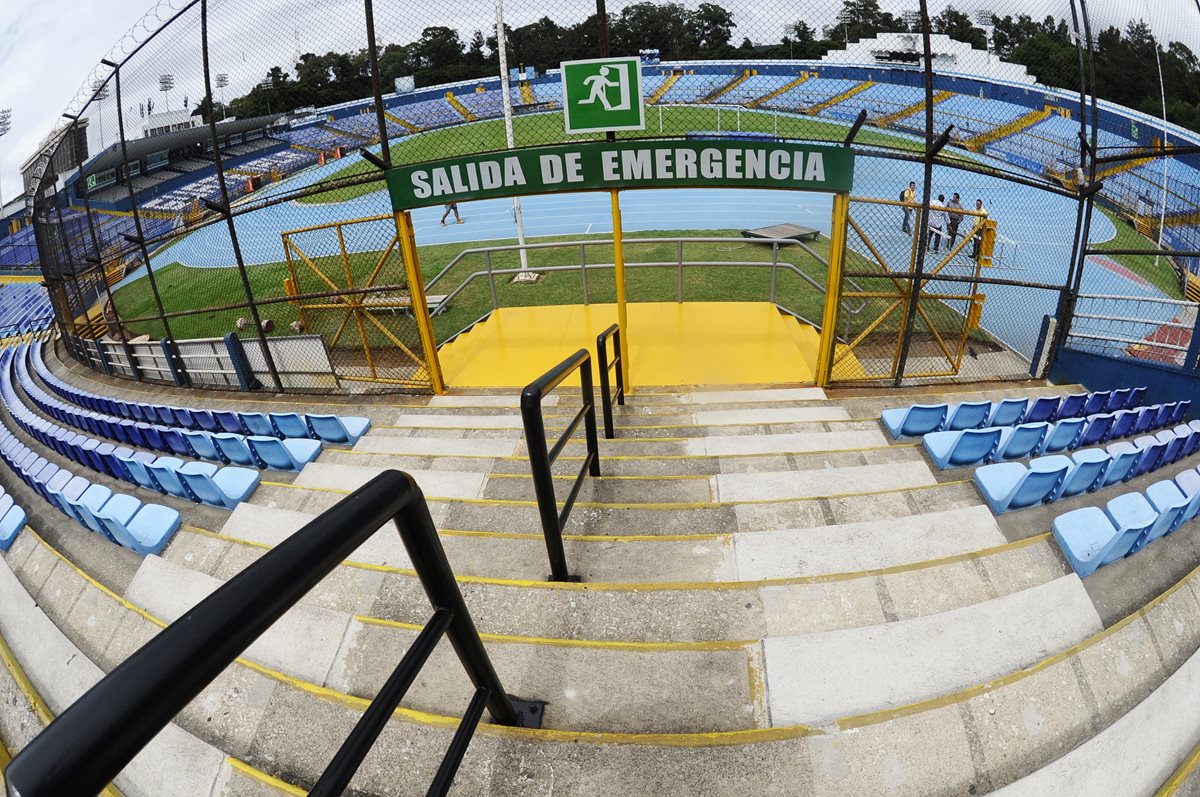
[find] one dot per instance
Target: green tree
(957, 25)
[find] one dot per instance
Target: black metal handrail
(541, 460)
(97, 736)
(613, 332)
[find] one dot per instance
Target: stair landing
(693, 343)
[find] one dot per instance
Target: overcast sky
(48, 48)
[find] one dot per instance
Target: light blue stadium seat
(165, 471)
(149, 530)
(1018, 442)
(1191, 439)
(1087, 472)
(1125, 456)
(1064, 436)
(258, 424)
(1172, 445)
(968, 447)
(969, 415)
(1012, 485)
(284, 454)
(290, 424)
(115, 515)
(234, 447)
(88, 503)
(226, 488)
(341, 428)
(203, 444)
(1008, 412)
(1132, 516)
(11, 523)
(1188, 483)
(1043, 408)
(1170, 503)
(1085, 536)
(70, 491)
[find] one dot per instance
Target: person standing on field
(954, 204)
(979, 220)
(908, 195)
(938, 219)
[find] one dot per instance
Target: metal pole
(487, 259)
(679, 272)
(373, 59)
(137, 219)
(589, 418)
(619, 278)
(506, 98)
(543, 484)
(833, 288)
(416, 291)
(921, 228)
(1162, 216)
(774, 267)
(583, 273)
(227, 209)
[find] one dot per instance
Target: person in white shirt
(938, 220)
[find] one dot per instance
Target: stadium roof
(112, 157)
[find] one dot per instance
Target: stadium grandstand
(607, 408)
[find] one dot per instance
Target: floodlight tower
(100, 93)
(222, 81)
(518, 216)
(912, 20)
(165, 84)
(983, 18)
(5, 126)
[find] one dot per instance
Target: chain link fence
(219, 177)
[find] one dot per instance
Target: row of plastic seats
(1011, 485)
(252, 451)
(1092, 537)
(200, 482)
(977, 446)
(341, 429)
(120, 518)
(12, 520)
(921, 419)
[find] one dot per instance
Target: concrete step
(745, 556)
(174, 762)
(641, 610)
(977, 739)
(813, 679)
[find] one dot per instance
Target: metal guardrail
(97, 736)
(541, 459)
(490, 273)
(607, 397)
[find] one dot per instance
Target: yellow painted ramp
(694, 343)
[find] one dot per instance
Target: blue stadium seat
(1072, 405)
(203, 444)
(1088, 468)
(1008, 412)
(1118, 399)
(88, 503)
(968, 447)
(1064, 436)
(164, 471)
(11, 524)
(1125, 459)
(1085, 537)
(226, 488)
(258, 424)
(1188, 483)
(1096, 403)
(115, 515)
(1012, 485)
(914, 421)
(231, 422)
(1132, 516)
(1018, 442)
(1122, 424)
(290, 424)
(1181, 411)
(70, 491)
(284, 454)
(1135, 398)
(339, 428)
(1173, 445)
(1171, 504)
(235, 449)
(1097, 429)
(1043, 408)
(1146, 420)
(1152, 450)
(149, 530)
(969, 415)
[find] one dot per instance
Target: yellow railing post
(619, 276)
(416, 292)
(833, 288)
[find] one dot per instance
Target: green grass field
(184, 288)
(547, 128)
(1161, 276)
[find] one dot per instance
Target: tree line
(1126, 61)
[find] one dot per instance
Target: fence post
(102, 351)
(1193, 353)
(133, 366)
(247, 381)
(178, 373)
